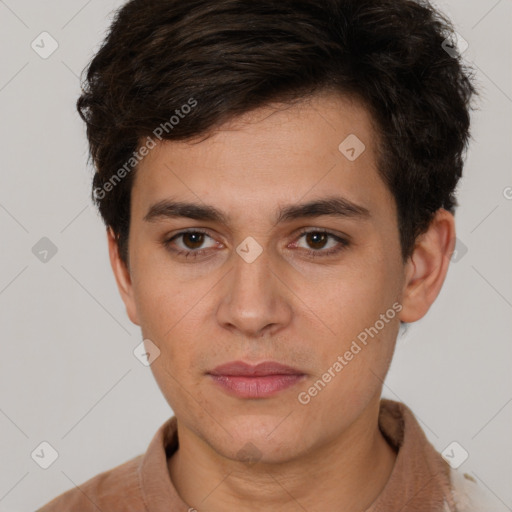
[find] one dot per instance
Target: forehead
(279, 154)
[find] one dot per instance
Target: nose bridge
(252, 299)
(251, 277)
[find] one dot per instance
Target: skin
(285, 306)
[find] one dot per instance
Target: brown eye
(321, 243)
(189, 243)
(193, 240)
(316, 239)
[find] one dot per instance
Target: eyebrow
(331, 206)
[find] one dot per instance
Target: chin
(266, 440)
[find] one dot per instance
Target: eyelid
(343, 241)
(171, 238)
(327, 231)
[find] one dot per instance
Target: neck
(347, 474)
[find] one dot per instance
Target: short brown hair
(232, 56)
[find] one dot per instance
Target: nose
(254, 298)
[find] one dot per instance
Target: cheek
(160, 308)
(350, 299)
(159, 294)
(361, 310)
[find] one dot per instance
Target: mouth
(261, 381)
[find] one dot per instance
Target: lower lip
(256, 387)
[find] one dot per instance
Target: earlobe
(122, 276)
(427, 267)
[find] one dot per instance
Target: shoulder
(114, 490)
(469, 495)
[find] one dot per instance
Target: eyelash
(343, 243)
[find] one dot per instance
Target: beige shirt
(421, 481)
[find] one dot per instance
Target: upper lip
(239, 368)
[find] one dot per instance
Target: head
(311, 149)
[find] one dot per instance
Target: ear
(123, 278)
(427, 267)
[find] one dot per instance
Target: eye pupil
(197, 240)
(317, 238)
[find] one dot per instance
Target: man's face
(301, 302)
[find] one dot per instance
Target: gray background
(67, 372)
